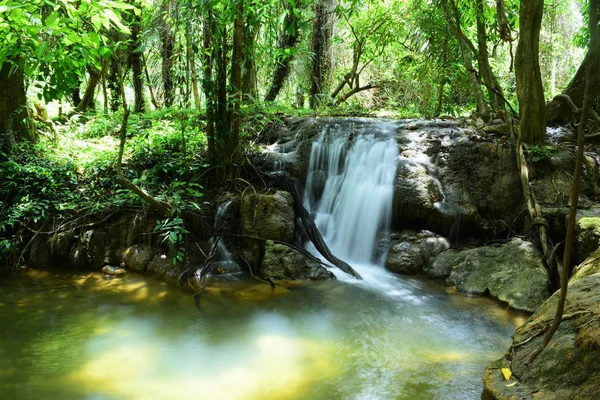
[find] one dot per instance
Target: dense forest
(190, 139)
(183, 88)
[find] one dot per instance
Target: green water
(80, 336)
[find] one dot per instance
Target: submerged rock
(569, 367)
(113, 270)
(281, 262)
(513, 272)
(411, 252)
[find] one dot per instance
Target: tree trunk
(137, 64)
(289, 37)
(191, 59)
(465, 49)
(494, 89)
(167, 46)
(113, 82)
(237, 59)
(208, 43)
(88, 97)
(320, 47)
(530, 90)
(558, 111)
(249, 89)
(13, 107)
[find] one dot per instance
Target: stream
(79, 335)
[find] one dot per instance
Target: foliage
(172, 230)
(540, 152)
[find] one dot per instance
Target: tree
(452, 16)
(290, 33)
(530, 91)
(167, 39)
(320, 47)
(45, 40)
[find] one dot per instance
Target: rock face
(569, 367)
(452, 184)
(513, 272)
(270, 216)
(281, 262)
(588, 236)
(90, 248)
(410, 252)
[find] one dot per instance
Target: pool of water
(81, 336)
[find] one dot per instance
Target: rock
(270, 216)
(281, 262)
(137, 257)
(410, 252)
(113, 270)
(588, 236)
(441, 266)
(90, 248)
(569, 367)
(162, 267)
(513, 272)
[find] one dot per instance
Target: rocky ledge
(569, 367)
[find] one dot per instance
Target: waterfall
(350, 185)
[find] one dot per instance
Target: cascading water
(350, 187)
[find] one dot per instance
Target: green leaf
(52, 20)
(110, 14)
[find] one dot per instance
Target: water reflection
(79, 336)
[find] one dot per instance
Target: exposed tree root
(293, 185)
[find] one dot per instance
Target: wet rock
(270, 216)
(137, 257)
(441, 266)
(90, 248)
(281, 262)
(113, 270)
(162, 266)
(513, 272)
(410, 252)
(569, 367)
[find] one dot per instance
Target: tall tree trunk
(289, 37)
(320, 47)
(530, 90)
(493, 86)
(465, 49)
(237, 59)
(443, 78)
(558, 111)
(137, 64)
(167, 39)
(13, 107)
(88, 97)
(208, 84)
(191, 59)
(249, 89)
(113, 82)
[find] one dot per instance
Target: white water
(353, 212)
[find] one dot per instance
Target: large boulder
(269, 216)
(410, 252)
(451, 182)
(513, 272)
(281, 262)
(569, 367)
(138, 257)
